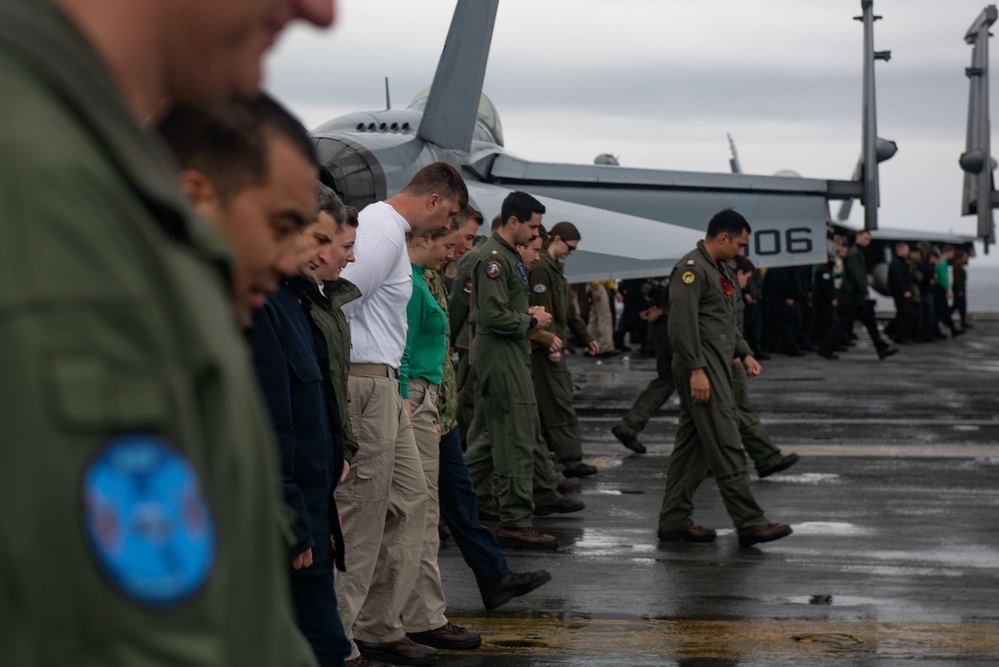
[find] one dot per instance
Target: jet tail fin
(452, 106)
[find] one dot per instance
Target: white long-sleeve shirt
(383, 274)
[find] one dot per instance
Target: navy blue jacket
(292, 364)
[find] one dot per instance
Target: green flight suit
(755, 439)
(702, 334)
(502, 433)
(553, 381)
(330, 319)
(122, 364)
(460, 332)
(658, 391)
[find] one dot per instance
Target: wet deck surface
(895, 508)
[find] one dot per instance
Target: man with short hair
(898, 285)
(460, 328)
(383, 501)
(705, 340)
(248, 168)
(854, 295)
(127, 383)
(502, 435)
(292, 363)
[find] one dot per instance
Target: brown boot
(628, 440)
(768, 533)
(691, 533)
(448, 636)
(517, 537)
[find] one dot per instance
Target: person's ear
(200, 190)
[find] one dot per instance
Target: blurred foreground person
(127, 383)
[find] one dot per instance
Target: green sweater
(943, 274)
(426, 340)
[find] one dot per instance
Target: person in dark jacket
(781, 296)
(898, 285)
(854, 297)
(292, 364)
(249, 170)
(930, 327)
(824, 302)
(960, 287)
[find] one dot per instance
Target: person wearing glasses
(552, 380)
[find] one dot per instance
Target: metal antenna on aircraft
(978, 195)
(388, 98)
(870, 156)
(734, 161)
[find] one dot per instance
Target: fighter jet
(635, 222)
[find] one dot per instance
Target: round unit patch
(467, 286)
(540, 289)
(522, 271)
(147, 521)
(687, 277)
(494, 269)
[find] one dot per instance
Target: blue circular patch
(147, 520)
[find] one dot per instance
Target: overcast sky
(659, 83)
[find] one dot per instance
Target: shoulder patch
(467, 286)
(690, 262)
(687, 277)
(540, 289)
(147, 521)
(494, 269)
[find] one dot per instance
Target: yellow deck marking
(940, 450)
(744, 639)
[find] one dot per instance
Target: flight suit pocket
(368, 481)
(89, 395)
(370, 417)
(307, 400)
